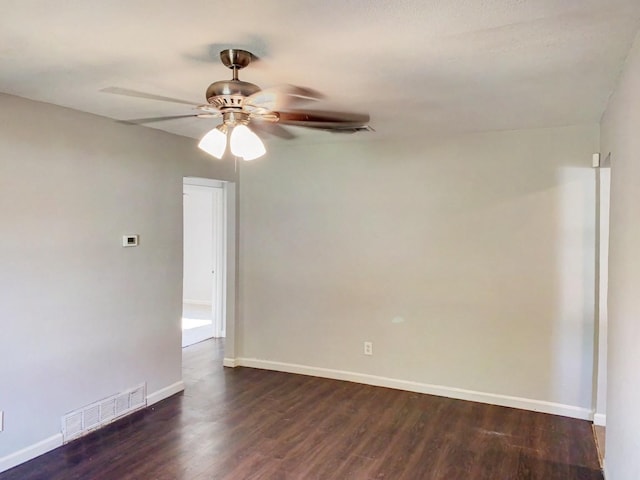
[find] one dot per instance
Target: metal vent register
(98, 414)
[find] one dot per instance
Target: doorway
(204, 260)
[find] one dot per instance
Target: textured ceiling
(417, 66)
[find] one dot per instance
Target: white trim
(219, 190)
(605, 472)
(600, 419)
(440, 390)
(204, 303)
(229, 362)
(603, 189)
(165, 392)
(21, 456)
(203, 182)
(224, 260)
(230, 287)
(219, 254)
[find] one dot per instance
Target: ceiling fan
(245, 108)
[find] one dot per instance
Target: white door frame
(219, 246)
(603, 189)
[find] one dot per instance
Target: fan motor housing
(230, 93)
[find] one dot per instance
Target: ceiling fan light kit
(245, 143)
(215, 141)
(243, 105)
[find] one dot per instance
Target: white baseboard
(439, 390)
(229, 362)
(32, 451)
(600, 419)
(197, 302)
(55, 441)
(165, 392)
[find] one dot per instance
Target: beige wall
(467, 261)
(82, 317)
(621, 138)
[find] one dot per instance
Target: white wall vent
(91, 417)
(137, 397)
(107, 410)
(72, 424)
(98, 414)
(122, 404)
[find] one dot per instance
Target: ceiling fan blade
(272, 129)
(141, 121)
(324, 120)
(134, 93)
(342, 129)
(281, 97)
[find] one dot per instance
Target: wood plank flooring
(599, 434)
(243, 423)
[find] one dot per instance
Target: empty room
(320, 240)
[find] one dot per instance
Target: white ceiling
(417, 66)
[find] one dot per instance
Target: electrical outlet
(368, 348)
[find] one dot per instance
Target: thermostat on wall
(130, 241)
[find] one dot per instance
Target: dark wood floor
(251, 424)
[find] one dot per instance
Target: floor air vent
(86, 419)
